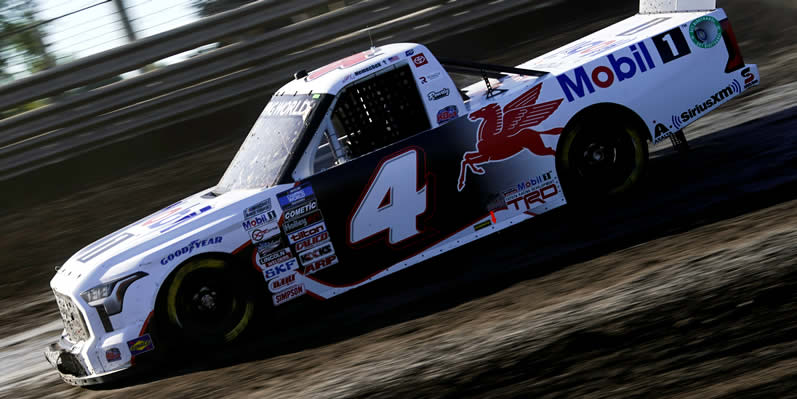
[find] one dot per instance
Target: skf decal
(140, 345)
(622, 68)
(320, 264)
(505, 133)
(281, 269)
(288, 294)
(283, 282)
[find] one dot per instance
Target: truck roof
(333, 76)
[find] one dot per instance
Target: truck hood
(144, 243)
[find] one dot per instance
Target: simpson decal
(288, 294)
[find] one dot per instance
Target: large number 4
(392, 201)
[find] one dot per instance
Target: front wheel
(207, 301)
(600, 157)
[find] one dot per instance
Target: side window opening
(378, 112)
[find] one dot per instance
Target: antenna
(370, 38)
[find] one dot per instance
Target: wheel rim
(605, 160)
(207, 303)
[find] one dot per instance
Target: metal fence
(253, 66)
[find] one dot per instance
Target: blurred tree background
(21, 36)
(207, 8)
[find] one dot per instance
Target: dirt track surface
(684, 289)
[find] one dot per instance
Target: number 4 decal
(392, 201)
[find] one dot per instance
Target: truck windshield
(271, 140)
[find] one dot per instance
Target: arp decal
(140, 345)
(347, 62)
(622, 68)
(288, 294)
(320, 264)
(505, 133)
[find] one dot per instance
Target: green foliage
(21, 36)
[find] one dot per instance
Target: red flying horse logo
(506, 133)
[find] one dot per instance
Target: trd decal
(504, 133)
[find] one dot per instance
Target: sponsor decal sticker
(716, 99)
(273, 258)
(436, 95)
(140, 345)
(306, 232)
(300, 210)
(705, 32)
(393, 58)
(482, 225)
(347, 62)
(259, 220)
(269, 244)
(536, 196)
(527, 186)
(296, 224)
(316, 253)
(283, 282)
(419, 60)
(749, 78)
(280, 269)
(113, 355)
(446, 114)
(505, 133)
(603, 76)
(288, 294)
(320, 264)
(264, 232)
(256, 209)
(312, 241)
(367, 69)
(428, 78)
(196, 244)
(409, 53)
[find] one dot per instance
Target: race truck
(379, 161)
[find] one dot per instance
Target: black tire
(601, 156)
(206, 301)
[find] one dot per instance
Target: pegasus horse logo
(506, 133)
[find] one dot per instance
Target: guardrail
(213, 81)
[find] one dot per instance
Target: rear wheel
(207, 301)
(600, 157)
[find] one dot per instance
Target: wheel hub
(596, 154)
(205, 300)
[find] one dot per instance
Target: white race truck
(377, 162)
